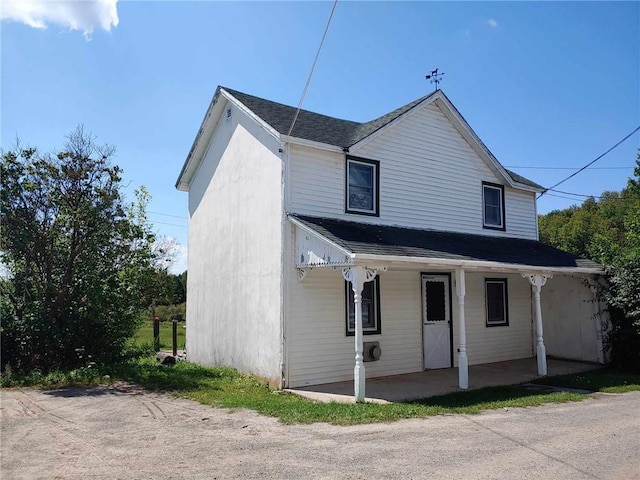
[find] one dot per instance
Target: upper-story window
(362, 186)
(493, 206)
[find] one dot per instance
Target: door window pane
(436, 309)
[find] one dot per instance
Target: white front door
(436, 321)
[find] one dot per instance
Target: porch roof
(368, 241)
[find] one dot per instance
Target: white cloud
(179, 263)
(81, 15)
(492, 23)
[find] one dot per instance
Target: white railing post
(463, 361)
(537, 282)
(358, 276)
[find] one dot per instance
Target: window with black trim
(362, 186)
(496, 302)
(370, 308)
(493, 206)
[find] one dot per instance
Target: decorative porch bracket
(358, 276)
(463, 361)
(302, 274)
(537, 282)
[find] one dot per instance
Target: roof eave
(188, 168)
(475, 264)
(311, 231)
(313, 144)
(207, 128)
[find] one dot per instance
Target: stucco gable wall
(234, 281)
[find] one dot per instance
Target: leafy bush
(78, 259)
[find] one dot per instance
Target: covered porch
(430, 383)
(466, 283)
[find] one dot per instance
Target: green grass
(144, 335)
(602, 380)
(225, 387)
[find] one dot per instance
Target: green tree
(78, 261)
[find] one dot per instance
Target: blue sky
(545, 84)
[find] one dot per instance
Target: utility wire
(182, 217)
(613, 199)
(562, 196)
(575, 194)
(588, 164)
(306, 86)
(583, 197)
(567, 168)
(170, 224)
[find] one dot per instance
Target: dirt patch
(124, 432)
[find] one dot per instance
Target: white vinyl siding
(319, 351)
(429, 178)
(234, 281)
(495, 344)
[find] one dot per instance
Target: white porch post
(358, 276)
(537, 282)
(463, 361)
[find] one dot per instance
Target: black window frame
(505, 291)
(376, 186)
(490, 226)
(347, 303)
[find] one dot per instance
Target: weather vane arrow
(435, 77)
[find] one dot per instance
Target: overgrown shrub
(77, 259)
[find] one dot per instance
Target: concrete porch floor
(413, 386)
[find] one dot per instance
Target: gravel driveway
(122, 432)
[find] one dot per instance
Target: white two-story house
(346, 250)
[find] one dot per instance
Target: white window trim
(505, 314)
(374, 187)
(501, 204)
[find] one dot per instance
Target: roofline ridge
(231, 90)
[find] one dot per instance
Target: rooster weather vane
(434, 77)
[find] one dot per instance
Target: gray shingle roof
(365, 238)
(523, 180)
(324, 129)
(315, 126)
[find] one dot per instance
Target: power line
(170, 224)
(562, 196)
(567, 168)
(306, 86)
(181, 217)
(584, 197)
(575, 194)
(588, 164)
